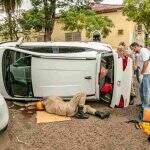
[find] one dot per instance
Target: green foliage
(9, 29)
(5, 29)
(42, 15)
(138, 11)
(148, 42)
(32, 19)
(10, 5)
(77, 19)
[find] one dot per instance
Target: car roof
(90, 45)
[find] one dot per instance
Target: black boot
(102, 115)
(80, 114)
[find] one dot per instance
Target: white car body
(63, 73)
(4, 115)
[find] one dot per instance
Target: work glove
(141, 78)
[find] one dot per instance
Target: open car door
(122, 81)
(63, 75)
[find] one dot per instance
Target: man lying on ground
(75, 107)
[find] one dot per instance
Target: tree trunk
(147, 33)
(46, 18)
(49, 18)
(10, 26)
(47, 35)
(146, 39)
(53, 4)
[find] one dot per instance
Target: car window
(24, 61)
(20, 62)
(71, 49)
(54, 49)
(39, 49)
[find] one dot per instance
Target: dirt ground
(23, 133)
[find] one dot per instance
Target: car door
(122, 81)
(63, 76)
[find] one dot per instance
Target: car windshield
(16, 68)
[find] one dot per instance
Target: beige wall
(120, 23)
(58, 32)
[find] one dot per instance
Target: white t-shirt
(144, 55)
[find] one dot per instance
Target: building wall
(58, 32)
(113, 39)
(121, 23)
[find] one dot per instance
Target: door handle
(88, 77)
(119, 83)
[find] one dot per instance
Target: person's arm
(145, 57)
(145, 65)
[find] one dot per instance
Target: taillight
(121, 102)
(125, 62)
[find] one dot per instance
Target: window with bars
(120, 32)
(139, 29)
(73, 36)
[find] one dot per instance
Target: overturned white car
(40, 69)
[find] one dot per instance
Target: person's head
(122, 44)
(103, 71)
(121, 47)
(135, 47)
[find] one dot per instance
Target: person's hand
(141, 78)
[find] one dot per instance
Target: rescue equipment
(146, 113)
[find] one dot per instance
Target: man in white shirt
(144, 64)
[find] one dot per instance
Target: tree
(32, 19)
(139, 12)
(5, 31)
(9, 7)
(43, 14)
(79, 18)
